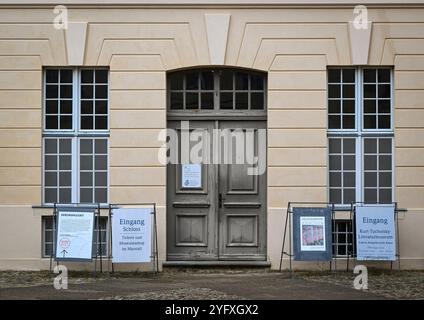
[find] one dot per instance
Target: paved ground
(215, 285)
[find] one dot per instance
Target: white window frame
(75, 134)
(359, 133)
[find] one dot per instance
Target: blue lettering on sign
(131, 222)
(374, 221)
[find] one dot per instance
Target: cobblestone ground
(179, 294)
(390, 284)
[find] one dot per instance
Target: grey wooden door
(224, 216)
(242, 198)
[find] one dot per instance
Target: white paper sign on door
(75, 235)
(131, 235)
(191, 176)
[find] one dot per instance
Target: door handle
(220, 200)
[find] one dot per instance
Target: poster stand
(96, 209)
(155, 251)
(353, 221)
(288, 223)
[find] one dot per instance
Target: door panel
(192, 219)
(242, 214)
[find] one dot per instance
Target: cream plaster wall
(293, 45)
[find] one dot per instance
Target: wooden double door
(217, 210)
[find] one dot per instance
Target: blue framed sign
(312, 234)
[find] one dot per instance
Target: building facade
(338, 91)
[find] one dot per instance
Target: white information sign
(375, 233)
(312, 230)
(131, 235)
(75, 235)
(191, 176)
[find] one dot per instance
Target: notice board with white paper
(131, 235)
(75, 232)
(375, 233)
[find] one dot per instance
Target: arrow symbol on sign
(63, 252)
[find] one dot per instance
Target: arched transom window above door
(216, 89)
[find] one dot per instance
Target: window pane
(66, 91)
(87, 107)
(64, 179)
(334, 122)
(51, 122)
(66, 106)
(384, 91)
(176, 100)
(369, 75)
(385, 196)
(349, 106)
(226, 80)
(100, 179)
(335, 162)
(335, 145)
(192, 81)
(348, 162)
(52, 91)
(334, 91)
(348, 91)
(87, 76)
(335, 179)
(385, 180)
(101, 195)
(384, 75)
(65, 122)
(370, 122)
(51, 106)
(207, 100)
(371, 195)
(370, 91)
(384, 106)
(384, 122)
(206, 80)
(65, 195)
(349, 196)
(86, 146)
(349, 122)
(349, 179)
(50, 195)
(100, 163)
(86, 195)
(100, 122)
(385, 146)
(52, 76)
(65, 145)
(50, 179)
(370, 162)
(256, 100)
(370, 179)
(86, 162)
(370, 145)
(334, 75)
(242, 81)
(66, 76)
(226, 100)
(50, 162)
(86, 92)
(241, 100)
(87, 123)
(348, 145)
(334, 106)
(385, 162)
(86, 179)
(256, 82)
(65, 162)
(335, 196)
(349, 75)
(50, 145)
(176, 81)
(101, 92)
(369, 106)
(101, 146)
(192, 101)
(101, 76)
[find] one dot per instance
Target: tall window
(360, 131)
(225, 89)
(75, 136)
